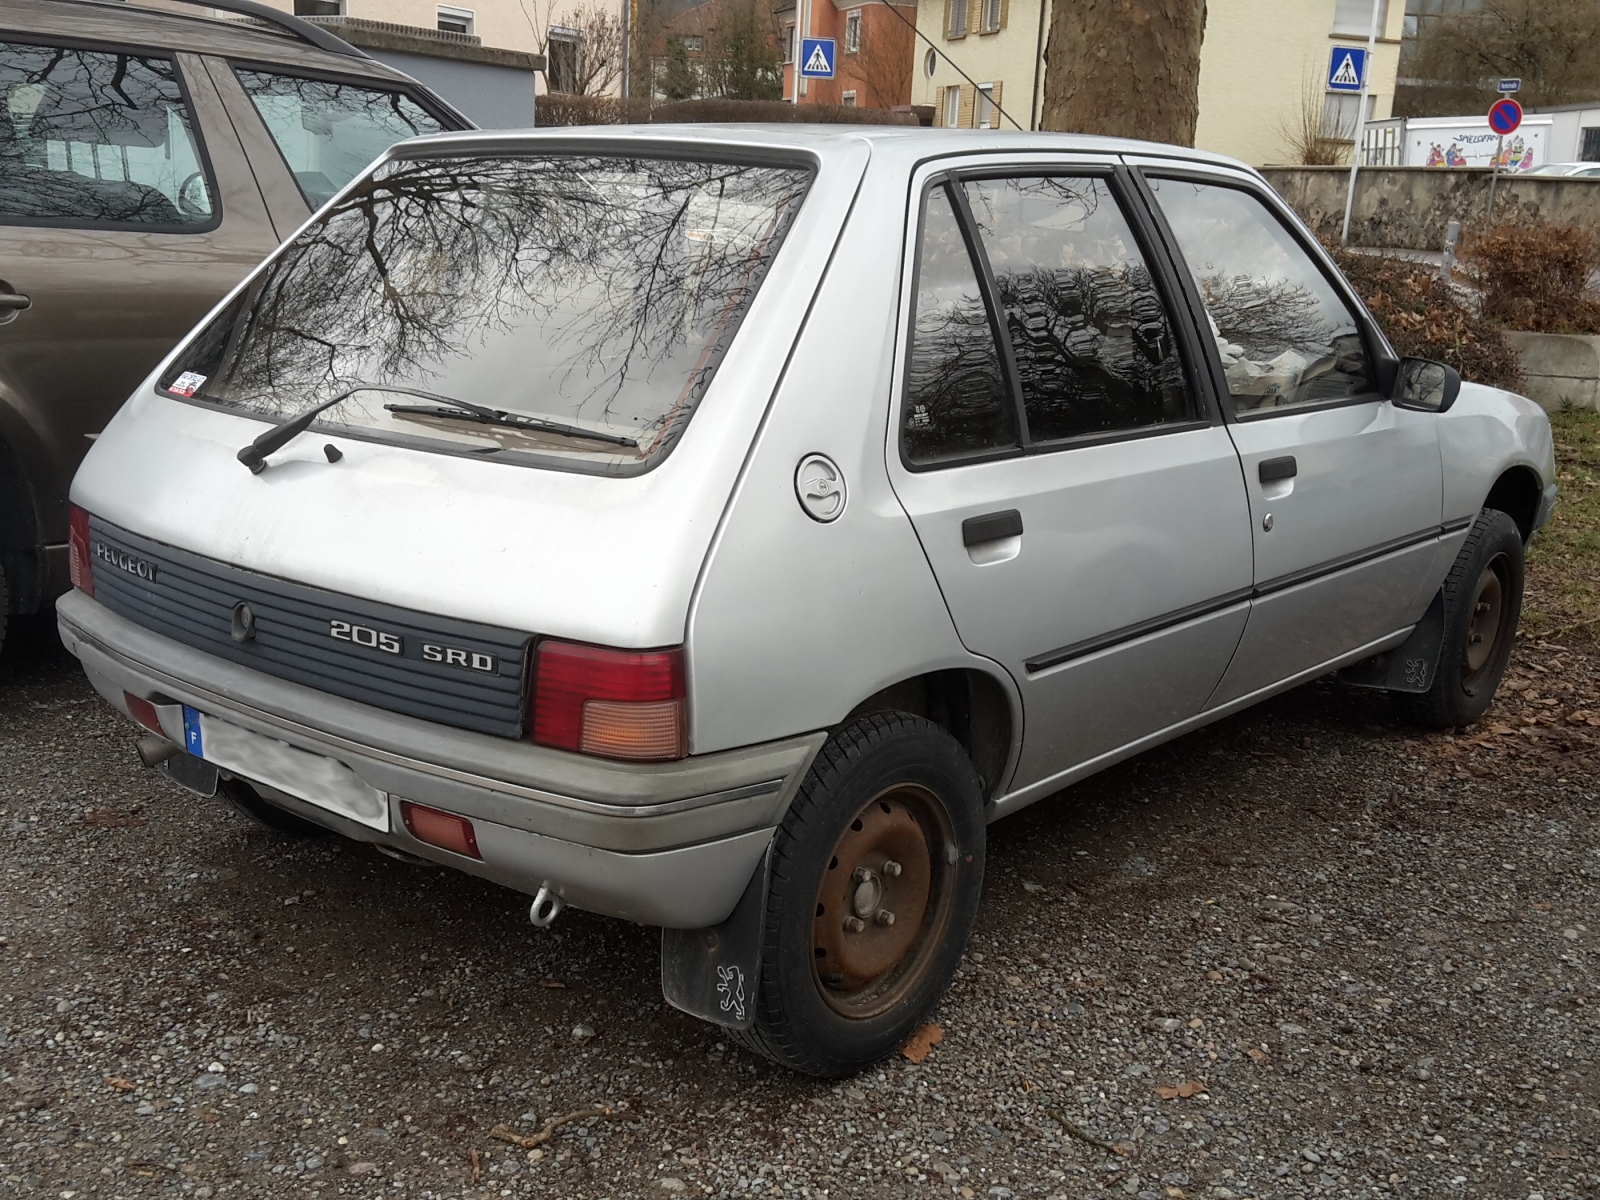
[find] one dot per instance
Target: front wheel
(1482, 603)
(876, 874)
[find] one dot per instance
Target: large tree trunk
(1127, 68)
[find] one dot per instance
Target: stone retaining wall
(1411, 207)
(1559, 369)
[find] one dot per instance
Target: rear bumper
(669, 844)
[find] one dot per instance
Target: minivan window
(595, 293)
(97, 138)
(1089, 332)
(1285, 337)
(329, 132)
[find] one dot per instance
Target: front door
(1345, 489)
(1078, 501)
(127, 210)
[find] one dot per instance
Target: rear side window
(98, 138)
(1037, 321)
(1093, 346)
(549, 309)
(330, 132)
(1285, 337)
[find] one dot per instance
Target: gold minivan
(149, 158)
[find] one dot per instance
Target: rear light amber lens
(78, 561)
(143, 711)
(444, 830)
(614, 703)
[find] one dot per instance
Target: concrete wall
(1411, 207)
(492, 97)
(1560, 370)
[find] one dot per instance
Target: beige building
(1263, 69)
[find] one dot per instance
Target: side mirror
(1425, 386)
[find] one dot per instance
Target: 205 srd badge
(450, 656)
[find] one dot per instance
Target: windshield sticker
(186, 384)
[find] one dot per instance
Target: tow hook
(154, 750)
(546, 908)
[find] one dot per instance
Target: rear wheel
(876, 874)
(1482, 603)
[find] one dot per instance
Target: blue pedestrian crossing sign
(1346, 69)
(817, 57)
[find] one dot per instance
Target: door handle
(14, 301)
(1274, 469)
(991, 527)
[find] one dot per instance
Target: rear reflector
(615, 703)
(143, 711)
(78, 561)
(444, 830)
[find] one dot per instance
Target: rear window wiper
(460, 410)
(280, 435)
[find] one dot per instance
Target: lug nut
(861, 875)
(854, 924)
(885, 917)
(891, 868)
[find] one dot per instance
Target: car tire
(5, 605)
(246, 800)
(890, 813)
(1482, 603)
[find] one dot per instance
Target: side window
(957, 401)
(330, 132)
(99, 138)
(1093, 346)
(1285, 336)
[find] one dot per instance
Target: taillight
(78, 561)
(144, 712)
(615, 703)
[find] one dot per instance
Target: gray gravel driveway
(1305, 952)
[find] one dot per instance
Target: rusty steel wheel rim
(884, 902)
(1485, 622)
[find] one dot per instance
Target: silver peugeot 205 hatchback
(717, 528)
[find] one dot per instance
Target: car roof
(908, 144)
(194, 32)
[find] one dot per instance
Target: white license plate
(314, 778)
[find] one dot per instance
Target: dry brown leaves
(921, 1043)
(111, 818)
(1186, 1090)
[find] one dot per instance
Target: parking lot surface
(1306, 951)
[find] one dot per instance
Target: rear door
(1073, 487)
(1346, 490)
(127, 210)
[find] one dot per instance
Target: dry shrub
(1535, 275)
(556, 108)
(1425, 318)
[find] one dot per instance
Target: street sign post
(1505, 115)
(1345, 65)
(817, 57)
(1347, 69)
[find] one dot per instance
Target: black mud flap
(196, 774)
(711, 973)
(1410, 666)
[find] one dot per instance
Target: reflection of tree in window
(599, 291)
(96, 137)
(561, 60)
(956, 399)
(1090, 335)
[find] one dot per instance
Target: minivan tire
(1482, 603)
(884, 787)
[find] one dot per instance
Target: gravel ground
(1361, 957)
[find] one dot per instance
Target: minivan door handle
(991, 527)
(1274, 469)
(14, 301)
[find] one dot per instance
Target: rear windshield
(554, 309)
